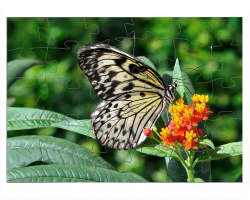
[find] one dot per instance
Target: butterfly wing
(111, 71)
(118, 123)
(132, 94)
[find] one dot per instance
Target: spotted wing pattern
(118, 123)
(111, 71)
(132, 94)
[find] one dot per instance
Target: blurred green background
(59, 85)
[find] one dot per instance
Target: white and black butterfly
(133, 95)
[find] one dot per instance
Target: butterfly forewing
(111, 71)
(132, 94)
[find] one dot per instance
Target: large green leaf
(223, 151)
(23, 151)
(79, 126)
(16, 68)
(177, 77)
(69, 173)
(175, 170)
(29, 118)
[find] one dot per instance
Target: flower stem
(157, 133)
(190, 174)
(194, 163)
(156, 139)
(190, 166)
(181, 159)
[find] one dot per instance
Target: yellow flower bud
(181, 101)
(203, 98)
(195, 98)
(206, 99)
(154, 128)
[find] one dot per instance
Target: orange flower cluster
(185, 118)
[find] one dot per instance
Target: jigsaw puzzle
(124, 99)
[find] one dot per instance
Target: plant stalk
(190, 166)
(190, 174)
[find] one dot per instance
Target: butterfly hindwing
(118, 123)
(111, 71)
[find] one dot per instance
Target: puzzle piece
(208, 55)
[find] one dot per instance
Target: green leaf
(24, 151)
(202, 169)
(198, 180)
(16, 68)
(79, 126)
(135, 177)
(69, 173)
(157, 150)
(189, 88)
(207, 142)
(10, 101)
(147, 61)
(175, 170)
(29, 118)
(160, 122)
(177, 76)
(167, 77)
(220, 152)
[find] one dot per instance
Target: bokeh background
(59, 85)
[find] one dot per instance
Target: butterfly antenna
(190, 71)
(187, 89)
(185, 83)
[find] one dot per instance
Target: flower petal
(199, 132)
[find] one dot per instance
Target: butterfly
(133, 95)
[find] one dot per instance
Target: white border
(126, 190)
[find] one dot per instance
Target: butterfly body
(133, 95)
